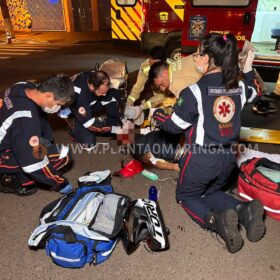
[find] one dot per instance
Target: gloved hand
(64, 113)
(100, 125)
(67, 189)
(95, 128)
(160, 116)
(106, 129)
(248, 65)
(130, 112)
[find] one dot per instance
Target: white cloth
(249, 154)
(97, 176)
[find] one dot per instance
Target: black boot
(225, 223)
(11, 184)
(251, 216)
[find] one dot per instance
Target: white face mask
(200, 69)
(54, 109)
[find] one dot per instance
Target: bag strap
(69, 234)
(250, 167)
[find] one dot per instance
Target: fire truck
(255, 20)
(179, 25)
(151, 22)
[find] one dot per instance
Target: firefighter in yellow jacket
(156, 54)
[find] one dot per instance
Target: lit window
(228, 3)
(126, 2)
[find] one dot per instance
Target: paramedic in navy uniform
(209, 113)
(93, 97)
(26, 153)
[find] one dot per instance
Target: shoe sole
(259, 112)
(8, 190)
(234, 240)
(256, 229)
(272, 110)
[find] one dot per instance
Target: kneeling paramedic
(209, 113)
(27, 156)
(95, 110)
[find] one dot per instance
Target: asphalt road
(194, 254)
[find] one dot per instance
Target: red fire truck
(151, 22)
(255, 20)
(176, 23)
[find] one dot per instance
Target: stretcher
(250, 134)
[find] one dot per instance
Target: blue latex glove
(67, 189)
(64, 113)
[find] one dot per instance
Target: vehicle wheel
(173, 49)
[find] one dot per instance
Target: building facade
(58, 15)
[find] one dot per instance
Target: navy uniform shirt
(209, 113)
(86, 102)
(24, 128)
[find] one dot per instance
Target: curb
(46, 42)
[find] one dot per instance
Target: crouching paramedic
(27, 156)
(157, 54)
(96, 108)
(209, 113)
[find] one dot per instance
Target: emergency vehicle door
(221, 16)
(126, 19)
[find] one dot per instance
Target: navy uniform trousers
(202, 176)
(9, 165)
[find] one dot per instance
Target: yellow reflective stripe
(114, 36)
(116, 32)
(147, 105)
(131, 98)
(126, 25)
(131, 21)
(121, 27)
(170, 73)
(178, 12)
(138, 7)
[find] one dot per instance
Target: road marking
(20, 50)
(29, 47)
(14, 53)
(10, 51)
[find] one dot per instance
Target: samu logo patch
(224, 109)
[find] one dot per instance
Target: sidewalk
(57, 37)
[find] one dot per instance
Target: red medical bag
(253, 184)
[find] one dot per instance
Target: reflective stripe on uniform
(9, 121)
(200, 132)
(63, 152)
(89, 123)
(131, 98)
(92, 103)
(254, 94)
(107, 102)
(36, 166)
(243, 94)
(77, 89)
(20, 83)
(179, 122)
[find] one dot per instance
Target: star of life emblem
(224, 109)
